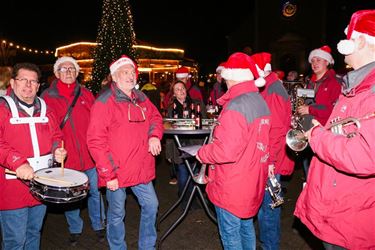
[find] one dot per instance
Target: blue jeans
(269, 223)
(116, 213)
(21, 227)
(94, 204)
(235, 233)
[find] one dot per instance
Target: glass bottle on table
(192, 111)
(185, 111)
(175, 112)
(198, 117)
(210, 109)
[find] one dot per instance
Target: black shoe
(100, 234)
(74, 239)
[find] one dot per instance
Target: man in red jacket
(279, 163)
(60, 96)
(238, 154)
(338, 201)
(327, 90)
(124, 137)
(29, 137)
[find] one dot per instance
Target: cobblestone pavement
(195, 231)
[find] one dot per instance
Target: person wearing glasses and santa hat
(124, 137)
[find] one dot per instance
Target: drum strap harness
(66, 117)
(37, 162)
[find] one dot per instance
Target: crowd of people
(66, 125)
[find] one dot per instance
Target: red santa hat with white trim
(182, 72)
(123, 60)
(220, 67)
(241, 67)
(362, 23)
(262, 62)
(323, 52)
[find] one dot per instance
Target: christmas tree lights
(115, 37)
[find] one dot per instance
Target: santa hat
(123, 60)
(220, 67)
(182, 72)
(263, 62)
(64, 59)
(241, 67)
(361, 23)
(322, 52)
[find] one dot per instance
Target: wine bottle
(185, 111)
(192, 111)
(198, 117)
(174, 112)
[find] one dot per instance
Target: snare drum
(71, 187)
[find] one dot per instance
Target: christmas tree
(115, 37)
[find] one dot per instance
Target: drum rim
(62, 187)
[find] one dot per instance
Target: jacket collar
(354, 80)
(136, 96)
(55, 92)
(236, 90)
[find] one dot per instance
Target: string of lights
(9, 44)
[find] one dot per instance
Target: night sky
(199, 27)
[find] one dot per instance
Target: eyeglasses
(24, 81)
(135, 112)
(65, 69)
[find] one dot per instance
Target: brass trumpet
(201, 177)
(274, 188)
(297, 141)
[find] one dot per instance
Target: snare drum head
(57, 178)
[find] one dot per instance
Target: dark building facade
(289, 30)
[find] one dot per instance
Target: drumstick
(7, 171)
(62, 162)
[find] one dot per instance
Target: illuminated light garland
(23, 48)
(134, 46)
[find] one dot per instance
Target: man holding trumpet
(29, 140)
(338, 201)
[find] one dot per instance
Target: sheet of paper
(191, 150)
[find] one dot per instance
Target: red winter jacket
(16, 147)
(338, 201)
(239, 151)
(75, 128)
(278, 102)
(327, 90)
(117, 142)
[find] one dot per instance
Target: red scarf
(64, 89)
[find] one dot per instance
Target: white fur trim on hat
(356, 34)
(260, 72)
(239, 75)
(346, 47)
(322, 54)
(65, 59)
(219, 69)
(182, 75)
(121, 62)
(267, 67)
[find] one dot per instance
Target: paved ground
(196, 231)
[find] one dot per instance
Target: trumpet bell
(296, 140)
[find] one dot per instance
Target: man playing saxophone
(327, 89)
(338, 201)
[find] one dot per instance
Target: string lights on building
(9, 44)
